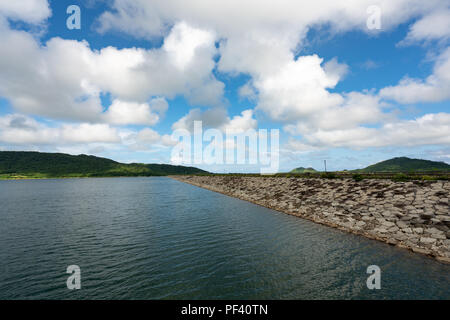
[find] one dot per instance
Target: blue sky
(138, 70)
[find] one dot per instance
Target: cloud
(124, 112)
(149, 136)
(248, 91)
(260, 39)
(200, 39)
(297, 89)
(211, 118)
(240, 123)
(86, 133)
(143, 18)
(433, 26)
(217, 119)
(430, 129)
(336, 70)
(147, 139)
(257, 36)
(31, 11)
(441, 154)
(183, 65)
(159, 105)
(18, 129)
(434, 88)
(35, 82)
(356, 109)
(369, 65)
(131, 18)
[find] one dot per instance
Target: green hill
(404, 164)
(24, 164)
(302, 170)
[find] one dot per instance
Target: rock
(434, 231)
(387, 224)
(400, 236)
(442, 227)
(360, 223)
(418, 230)
(393, 229)
(402, 224)
(443, 259)
(427, 215)
(348, 225)
(443, 218)
(426, 240)
(421, 250)
(417, 221)
(436, 221)
(441, 209)
(392, 242)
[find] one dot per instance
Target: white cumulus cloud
(218, 119)
(434, 88)
(432, 26)
(34, 80)
(19, 129)
(124, 112)
(31, 11)
(430, 129)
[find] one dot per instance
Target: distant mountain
(404, 164)
(41, 165)
(302, 170)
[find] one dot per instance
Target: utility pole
(325, 162)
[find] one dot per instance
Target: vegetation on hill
(404, 164)
(24, 164)
(397, 169)
(302, 170)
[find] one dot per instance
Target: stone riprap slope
(413, 215)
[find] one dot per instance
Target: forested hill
(40, 165)
(303, 170)
(404, 164)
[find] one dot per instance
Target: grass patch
(328, 175)
(358, 177)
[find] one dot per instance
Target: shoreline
(393, 218)
(53, 178)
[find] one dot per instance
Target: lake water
(157, 238)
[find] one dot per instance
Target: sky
(351, 82)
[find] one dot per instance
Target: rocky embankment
(413, 215)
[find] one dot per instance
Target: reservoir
(157, 238)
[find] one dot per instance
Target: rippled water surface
(157, 238)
